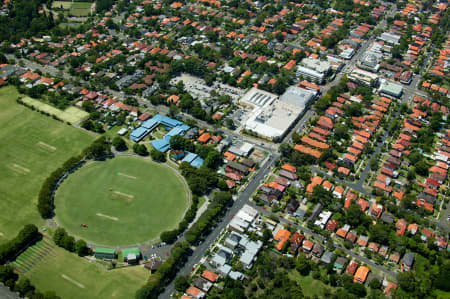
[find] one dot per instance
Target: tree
(296, 138)
(7, 273)
(358, 289)
(379, 233)
(375, 284)
(354, 216)
(213, 159)
(177, 142)
(58, 236)
(284, 149)
(24, 286)
(230, 124)
(141, 149)
(267, 235)
(407, 281)
(441, 280)
(119, 143)
(169, 236)
(158, 156)
(422, 168)
(88, 106)
(68, 243)
(81, 247)
(303, 265)
(181, 283)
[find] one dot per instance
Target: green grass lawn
(33, 145)
(71, 114)
(81, 9)
(61, 4)
(71, 276)
(310, 286)
(77, 9)
(124, 201)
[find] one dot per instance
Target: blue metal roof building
(198, 162)
(139, 133)
(193, 159)
(189, 158)
(170, 122)
(150, 124)
(161, 145)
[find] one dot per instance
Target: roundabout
(123, 201)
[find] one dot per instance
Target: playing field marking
(47, 146)
(127, 176)
(20, 169)
(72, 281)
(124, 194)
(106, 216)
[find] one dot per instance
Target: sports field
(32, 146)
(51, 268)
(78, 9)
(71, 114)
(124, 201)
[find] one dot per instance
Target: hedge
(99, 148)
(171, 235)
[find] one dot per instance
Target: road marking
(81, 286)
(108, 217)
(127, 176)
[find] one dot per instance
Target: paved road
(358, 186)
(5, 293)
(238, 204)
(307, 231)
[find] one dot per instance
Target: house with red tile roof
(338, 191)
(281, 237)
(209, 275)
(289, 167)
(204, 138)
(351, 268)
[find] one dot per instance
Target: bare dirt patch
(19, 169)
(122, 196)
(108, 217)
(81, 286)
(47, 146)
(127, 176)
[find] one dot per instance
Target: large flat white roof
(297, 96)
(273, 120)
(258, 98)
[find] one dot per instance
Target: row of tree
(98, 149)
(171, 235)
(166, 272)
(26, 237)
(64, 240)
(199, 180)
(179, 253)
(22, 285)
(206, 222)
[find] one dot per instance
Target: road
(307, 231)
(244, 198)
(350, 65)
(5, 293)
(358, 186)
